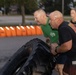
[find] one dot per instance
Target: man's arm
(65, 40)
(64, 47)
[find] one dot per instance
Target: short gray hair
(40, 11)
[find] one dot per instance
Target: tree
(30, 4)
(23, 4)
(51, 5)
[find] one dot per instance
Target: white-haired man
(67, 40)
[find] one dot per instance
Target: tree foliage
(51, 5)
(24, 6)
(29, 5)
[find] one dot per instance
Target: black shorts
(61, 59)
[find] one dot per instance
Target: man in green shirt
(50, 34)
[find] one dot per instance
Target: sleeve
(44, 33)
(65, 35)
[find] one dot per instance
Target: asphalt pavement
(9, 45)
(15, 20)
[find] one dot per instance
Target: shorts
(61, 59)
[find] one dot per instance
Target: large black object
(33, 58)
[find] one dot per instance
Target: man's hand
(53, 47)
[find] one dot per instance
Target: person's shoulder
(66, 22)
(64, 25)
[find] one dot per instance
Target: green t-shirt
(49, 32)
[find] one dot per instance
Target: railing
(10, 31)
